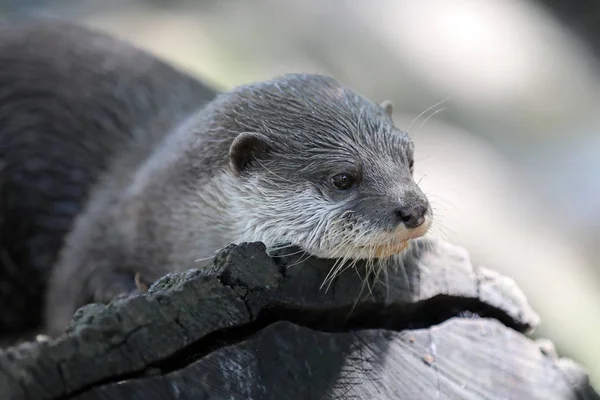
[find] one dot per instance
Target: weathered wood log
(258, 327)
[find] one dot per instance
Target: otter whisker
(333, 273)
(270, 253)
(369, 272)
(337, 268)
(375, 269)
(305, 256)
(440, 230)
(273, 173)
(382, 266)
(397, 261)
(280, 247)
(341, 264)
(429, 117)
(360, 294)
(204, 259)
(439, 103)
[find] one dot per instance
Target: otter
(70, 99)
(173, 172)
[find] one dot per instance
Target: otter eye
(343, 181)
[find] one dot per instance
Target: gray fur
(71, 100)
(185, 202)
(159, 206)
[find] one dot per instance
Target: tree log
(252, 326)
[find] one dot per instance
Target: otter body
(159, 174)
(71, 102)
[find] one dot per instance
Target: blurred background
(501, 98)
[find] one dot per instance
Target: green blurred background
(501, 98)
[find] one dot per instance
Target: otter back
(71, 101)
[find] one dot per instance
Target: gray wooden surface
(255, 327)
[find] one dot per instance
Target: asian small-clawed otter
(159, 174)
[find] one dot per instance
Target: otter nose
(412, 216)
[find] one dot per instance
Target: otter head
(320, 167)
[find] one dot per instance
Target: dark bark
(258, 327)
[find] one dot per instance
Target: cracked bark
(252, 326)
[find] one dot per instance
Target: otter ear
(387, 106)
(247, 147)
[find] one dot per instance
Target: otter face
(335, 177)
(378, 206)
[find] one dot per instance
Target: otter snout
(412, 216)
